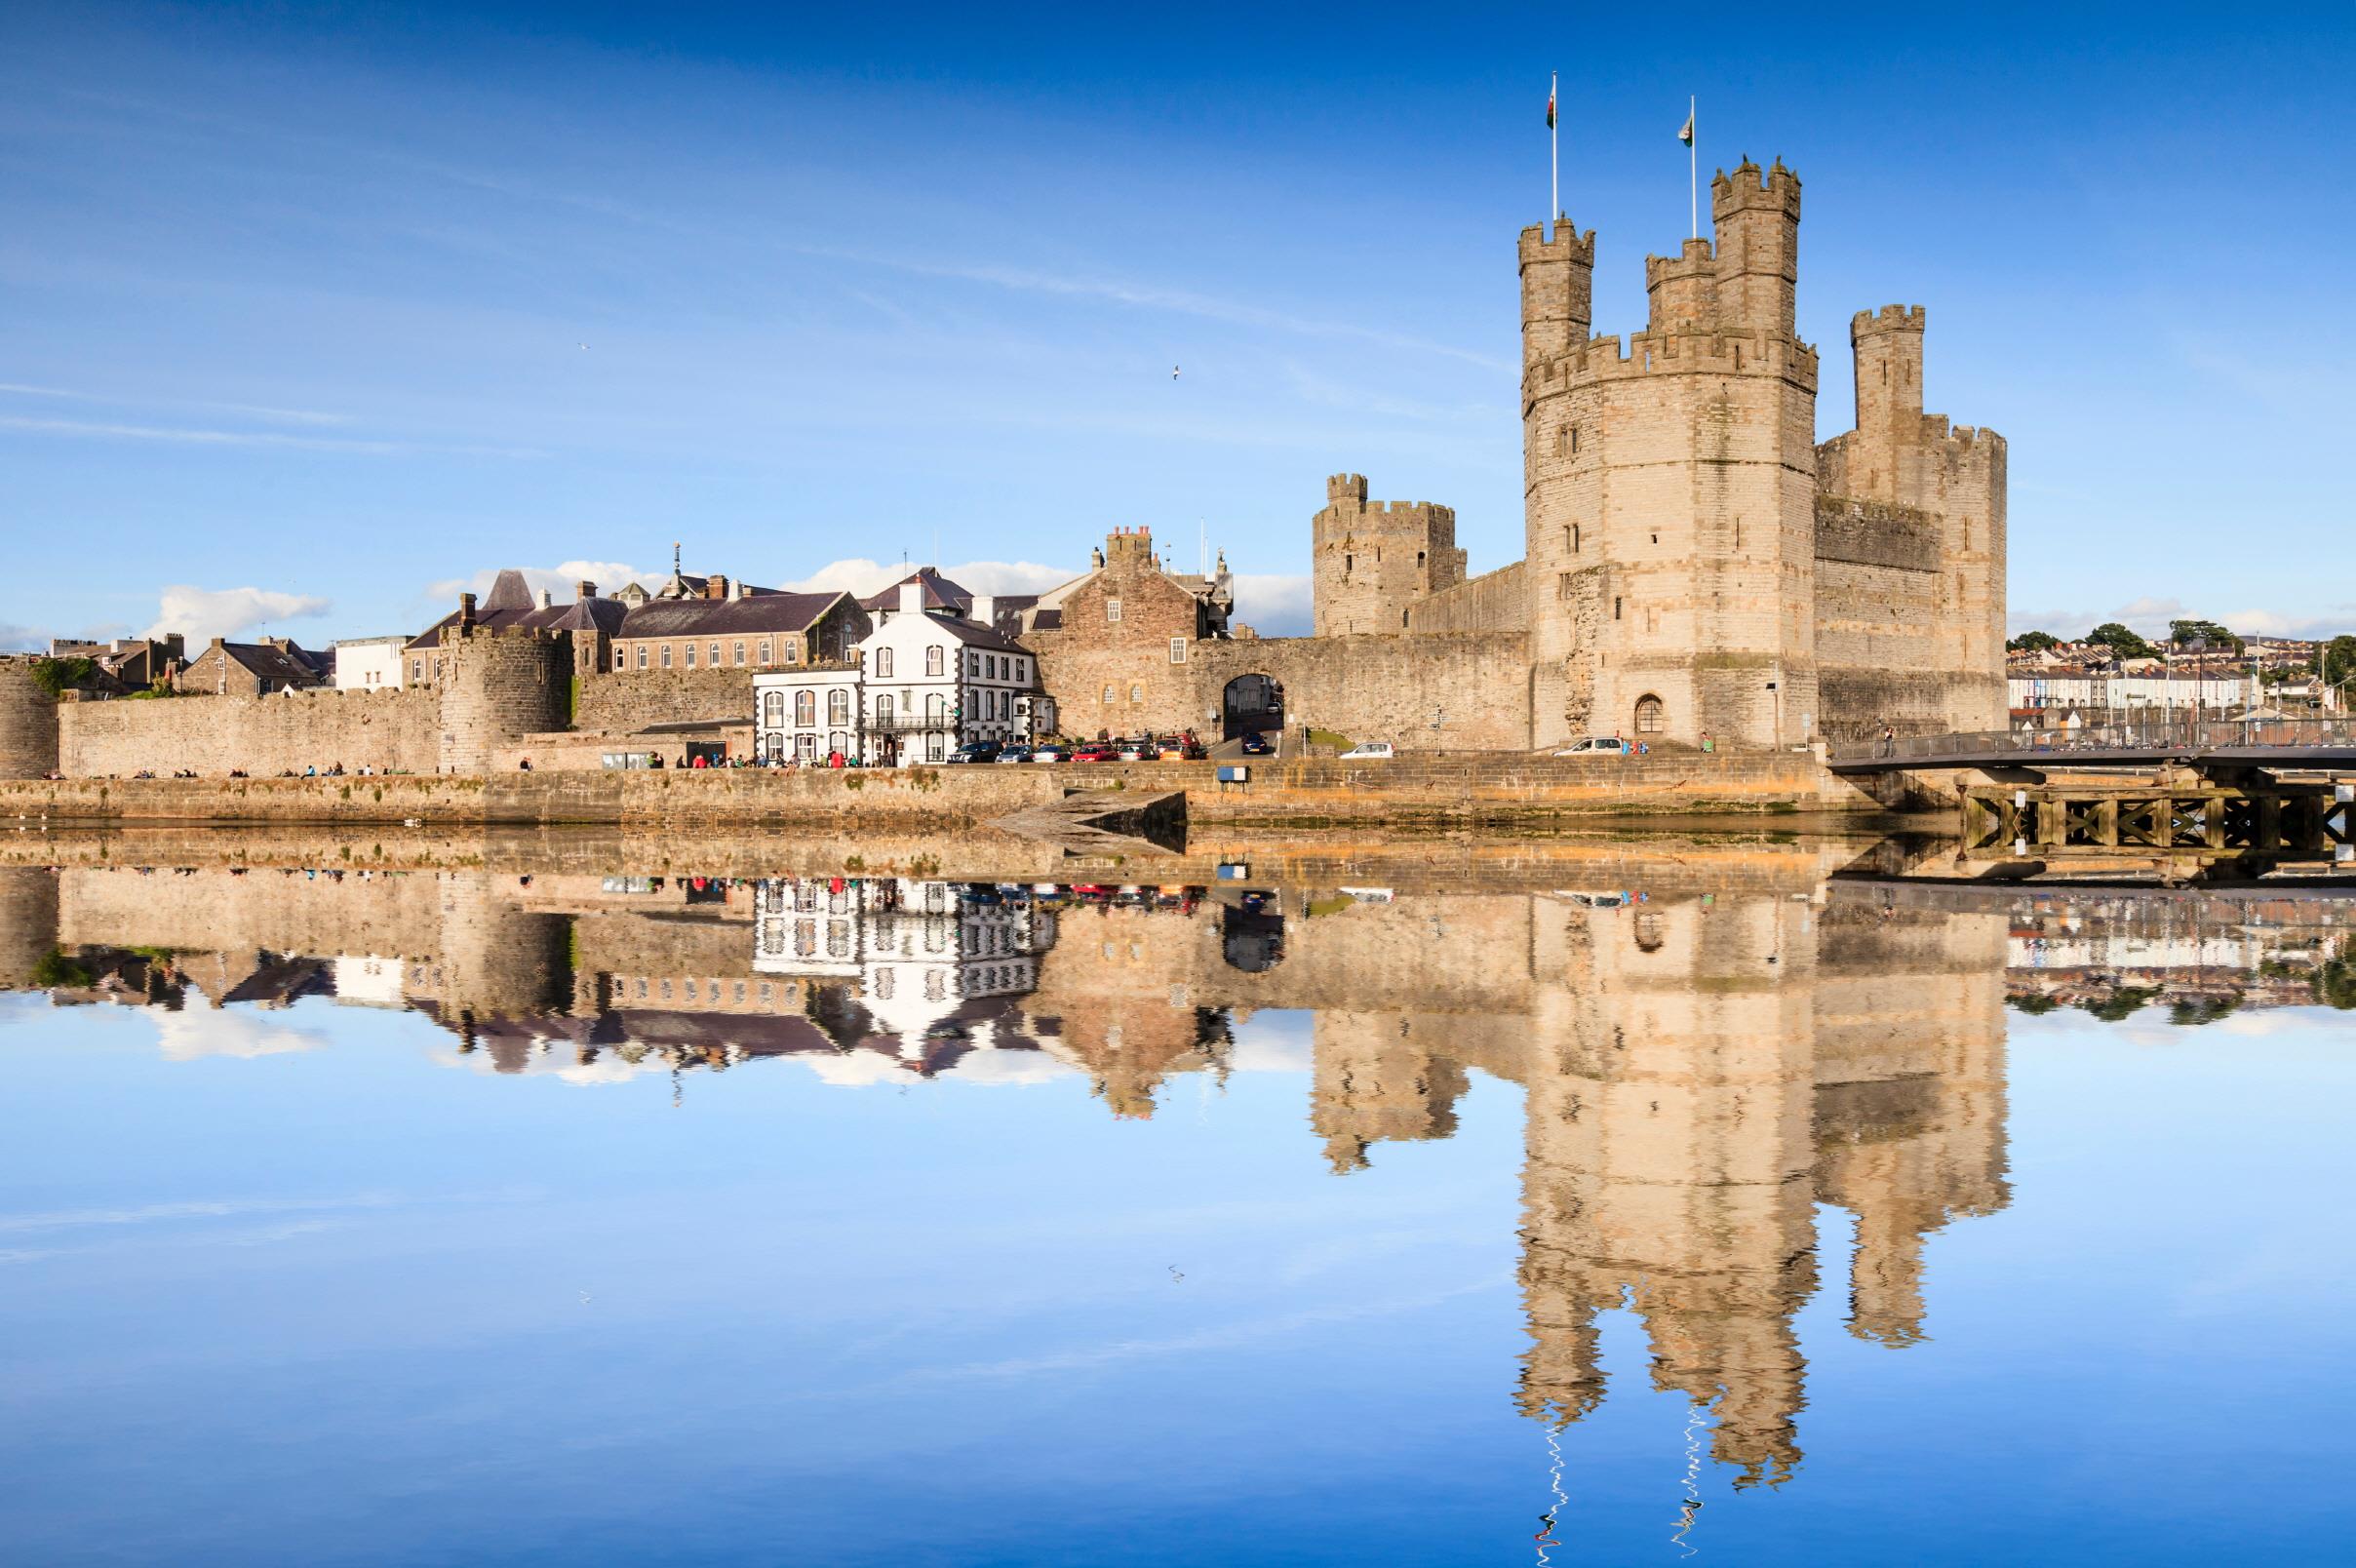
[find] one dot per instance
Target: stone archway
(1251, 702)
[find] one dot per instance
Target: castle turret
(1373, 559)
(1885, 461)
(1557, 288)
(1758, 227)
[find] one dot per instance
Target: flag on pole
(1549, 105)
(1685, 136)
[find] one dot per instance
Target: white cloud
(200, 613)
(562, 579)
(20, 638)
(1274, 605)
(2150, 616)
(217, 1032)
(862, 578)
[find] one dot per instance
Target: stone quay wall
(1412, 791)
(394, 732)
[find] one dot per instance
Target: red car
(1095, 751)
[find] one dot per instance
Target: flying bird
(1173, 373)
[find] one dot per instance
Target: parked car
(975, 751)
(1256, 744)
(1095, 751)
(1052, 754)
(1134, 751)
(1014, 753)
(1182, 751)
(1370, 752)
(1596, 746)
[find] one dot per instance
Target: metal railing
(2115, 732)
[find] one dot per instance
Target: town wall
(629, 700)
(389, 732)
(1493, 602)
(1388, 688)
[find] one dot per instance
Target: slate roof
(760, 611)
(266, 661)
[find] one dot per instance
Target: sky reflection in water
(844, 1220)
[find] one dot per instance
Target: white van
(1371, 751)
(1596, 746)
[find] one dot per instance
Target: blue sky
(308, 315)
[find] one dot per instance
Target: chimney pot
(466, 609)
(547, 599)
(585, 590)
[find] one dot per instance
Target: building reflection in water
(1701, 1068)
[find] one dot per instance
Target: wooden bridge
(2197, 799)
(2296, 745)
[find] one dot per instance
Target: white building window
(934, 660)
(806, 709)
(764, 650)
(773, 709)
(1137, 693)
(1177, 651)
(884, 710)
(739, 653)
(837, 708)
(1111, 609)
(1108, 697)
(715, 656)
(666, 655)
(691, 655)
(883, 662)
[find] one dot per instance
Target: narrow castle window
(1615, 607)
(1347, 563)
(1418, 560)
(1562, 585)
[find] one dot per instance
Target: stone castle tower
(1670, 486)
(1375, 559)
(28, 723)
(497, 687)
(1930, 497)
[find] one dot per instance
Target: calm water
(507, 1218)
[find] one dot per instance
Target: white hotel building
(918, 687)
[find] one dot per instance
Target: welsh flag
(1687, 135)
(1549, 107)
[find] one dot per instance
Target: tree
(2121, 640)
(2337, 660)
(2033, 643)
(2182, 632)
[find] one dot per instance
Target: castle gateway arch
(1249, 702)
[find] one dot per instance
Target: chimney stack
(716, 586)
(744, 590)
(547, 599)
(911, 599)
(466, 612)
(585, 591)
(984, 610)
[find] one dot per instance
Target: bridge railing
(2115, 732)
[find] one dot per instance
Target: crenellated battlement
(1720, 353)
(1749, 188)
(1699, 259)
(1567, 245)
(1346, 488)
(1959, 442)
(1888, 319)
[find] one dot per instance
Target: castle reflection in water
(1701, 1068)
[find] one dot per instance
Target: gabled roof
(977, 636)
(760, 611)
(266, 661)
(940, 593)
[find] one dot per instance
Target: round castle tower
(28, 723)
(498, 687)
(1669, 487)
(28, 923)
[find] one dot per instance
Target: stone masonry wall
(632, 699)
(1493, 602)
(28, 723)
(390, 732)
(1386, 687)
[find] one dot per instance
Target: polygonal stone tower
(1669, 491)
(1376, 559)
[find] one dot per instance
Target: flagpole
(1553, 156)
(1692, 171)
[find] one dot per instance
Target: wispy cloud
(302, 416)
(194, 435)
(1275, 604)
(198, 614)
(1152, 297)
(2150, 616)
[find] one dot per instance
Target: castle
(1697, 569)
(1695, 564)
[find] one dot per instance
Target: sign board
(1232, 774)
(1235, 870)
